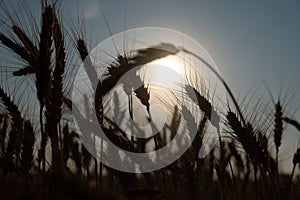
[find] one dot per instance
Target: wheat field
(42, 155)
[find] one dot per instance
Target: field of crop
(42, 155)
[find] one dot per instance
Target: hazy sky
(250, 41)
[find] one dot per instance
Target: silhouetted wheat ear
(198, 141)
(15, 136)
(142, 93)
(60, 62)
(150, 54)
(27, 148)
(292, 122)
(13, 110)
(15, 47)
(278, 129)
(246, 137)
(30, 48)
(204, 105)
(43, 71)
(85, 58)
(26, 50)
(82, 49)
(123, 64)
(27, 43)
(24, 71)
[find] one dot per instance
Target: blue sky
(252, 42)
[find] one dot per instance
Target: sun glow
(167, 70)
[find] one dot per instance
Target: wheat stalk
(53, 104)
(292, 122)
(43, 72)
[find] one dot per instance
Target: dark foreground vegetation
(41, 155)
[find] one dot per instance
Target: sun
(173, 62)
(166, 71)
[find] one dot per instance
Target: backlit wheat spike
(123, 64)
(60, 62)
(15, 135)
(122, 136)
(150, 54)
(29, 46)
(222, 80)
(278, 126)
(24, 71)
(246, 137)
(142, 93)
(15, 47)
(27, 43)
(85, 58)
(198, 140)
(13, 110)
(43, 71)
(204, 105)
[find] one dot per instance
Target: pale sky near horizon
(252, 42)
